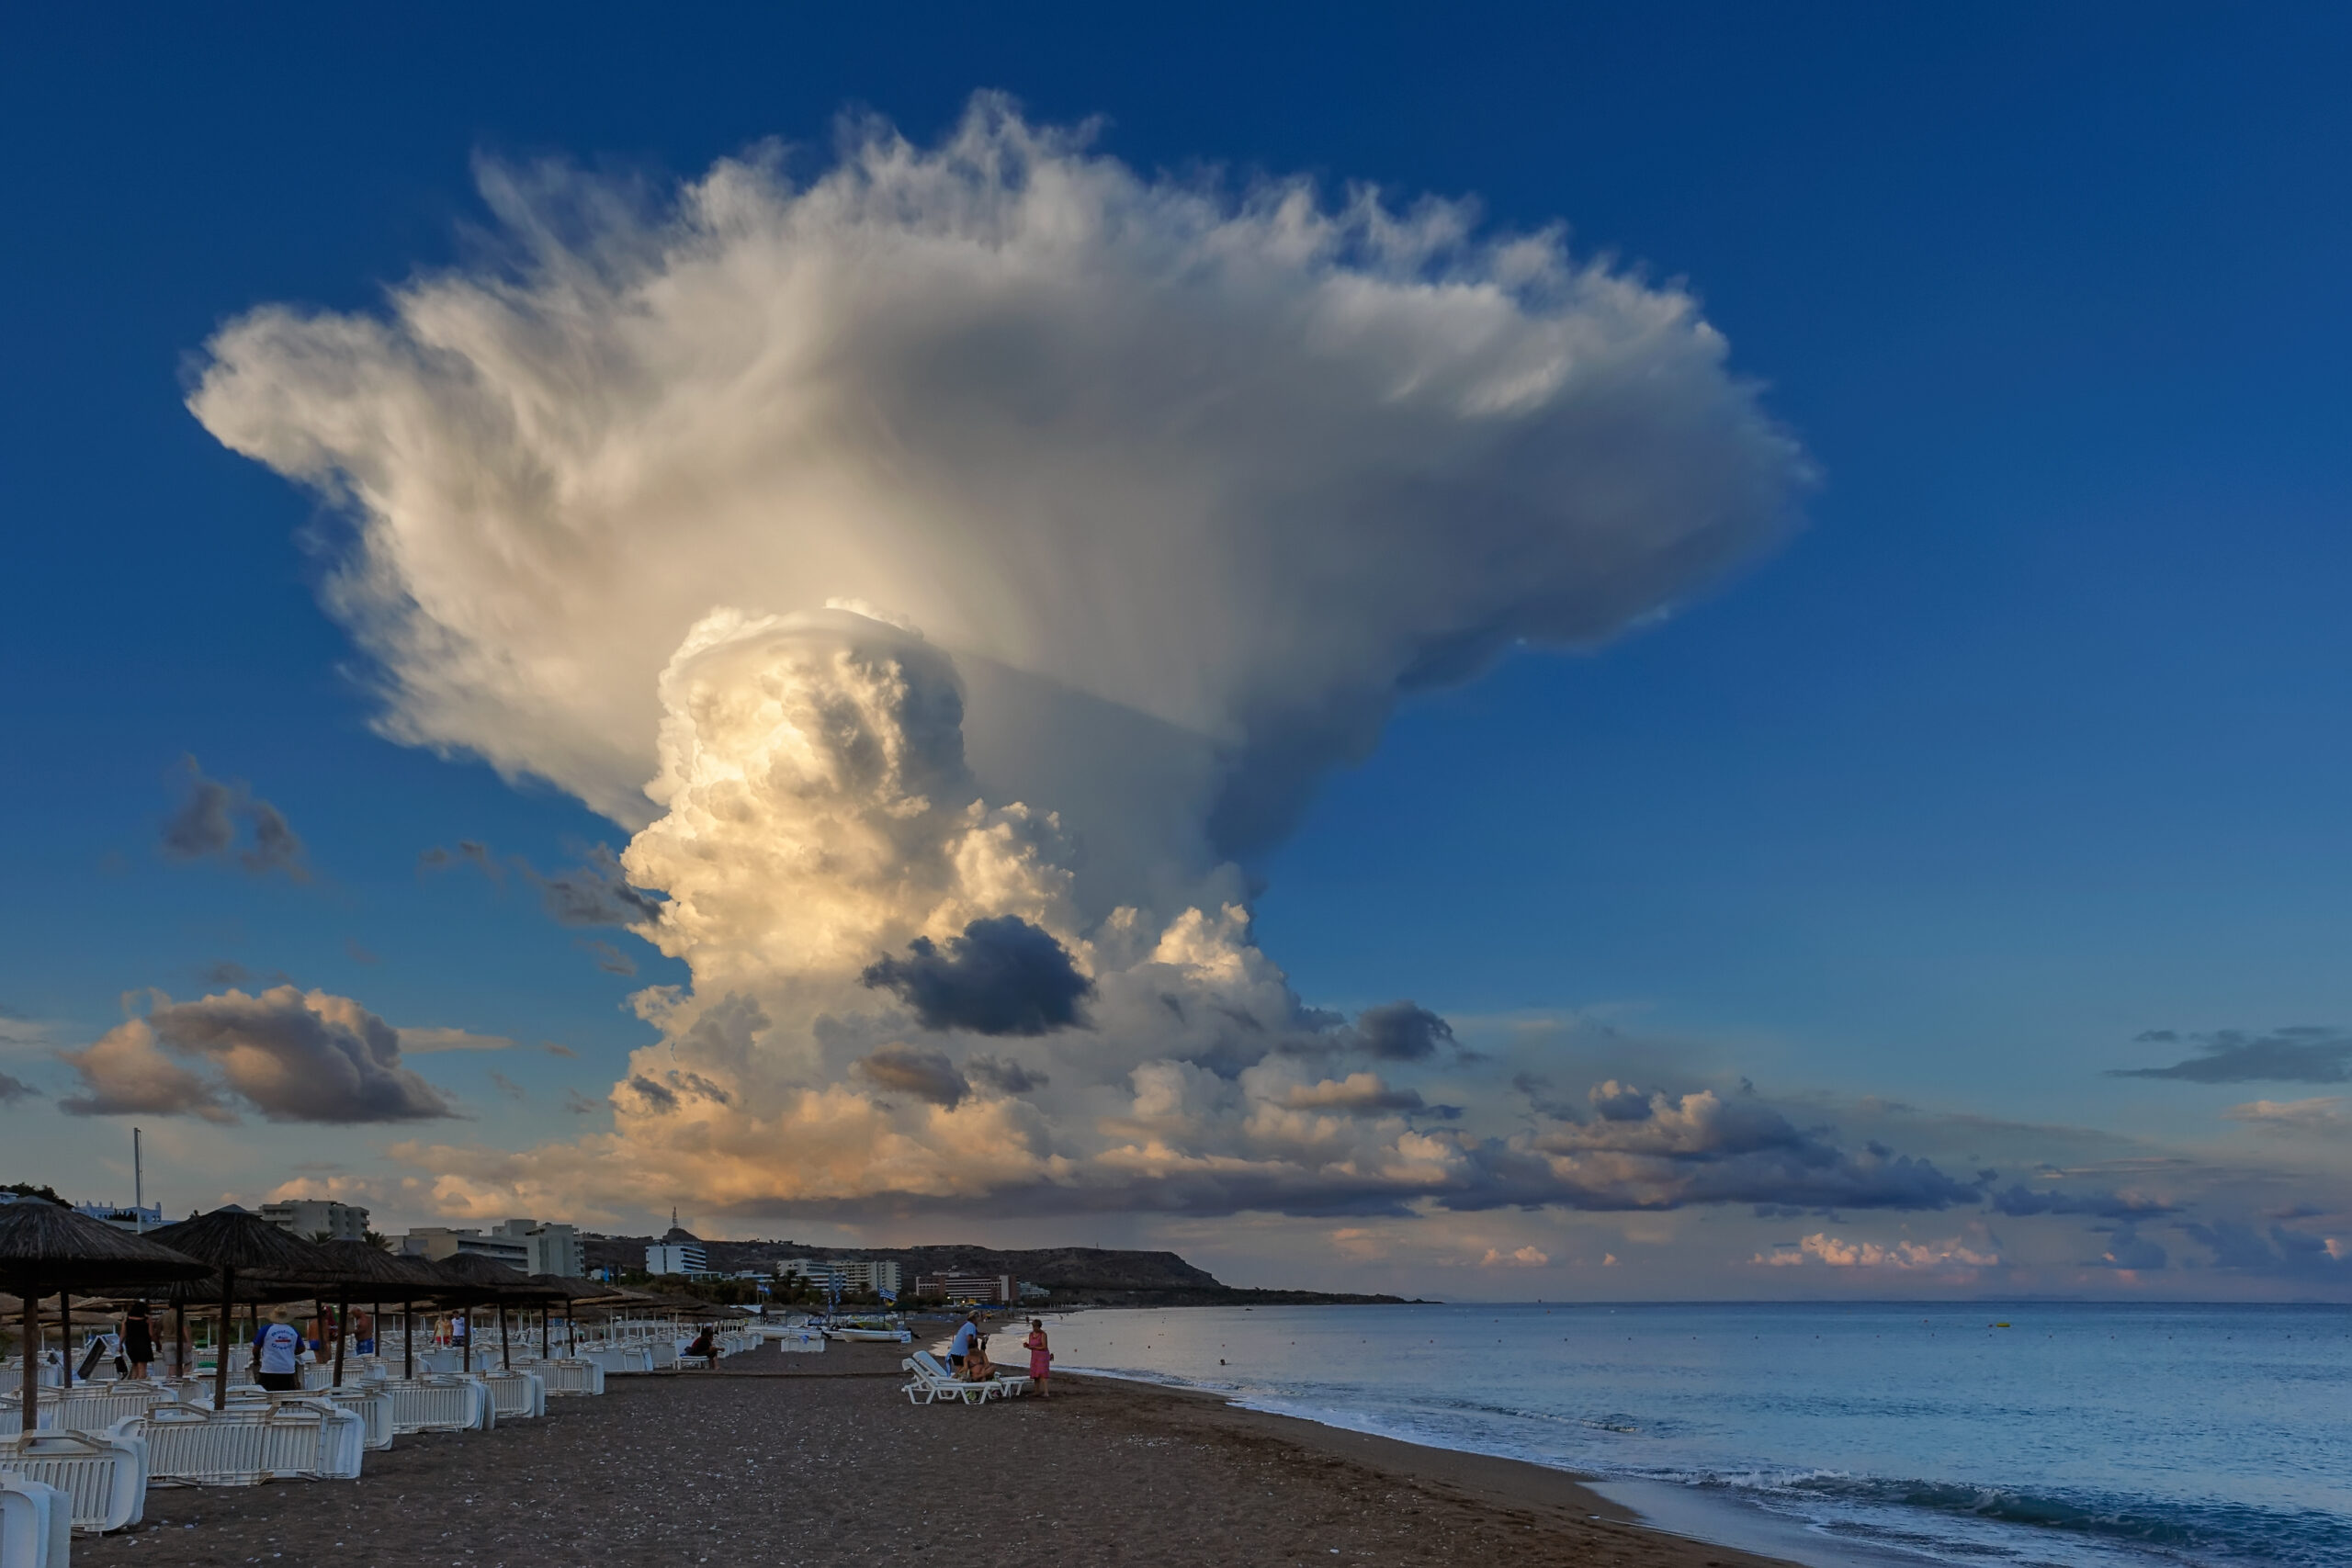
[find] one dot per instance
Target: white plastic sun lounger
(933, 1383)
(103, 1475)
(36, 1524)
(517, 1396)
(306, 1439)
(571, 1374)
(194, 1445)
(454, 1403)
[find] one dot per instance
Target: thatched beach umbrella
(389, 1278)
(573, 1292)
(46, 1247)
(476, 1282)
(240, 1244)
(483, 1280)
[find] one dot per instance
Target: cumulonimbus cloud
(289, 1054)
(952, 569)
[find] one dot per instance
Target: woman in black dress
(138, 1339)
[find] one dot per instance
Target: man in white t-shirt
(277, 1355)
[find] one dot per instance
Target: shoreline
(1728, 1529)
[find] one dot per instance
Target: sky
(1567, 653)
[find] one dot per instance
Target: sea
(1838, 1436)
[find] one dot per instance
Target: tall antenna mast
(138, 1187)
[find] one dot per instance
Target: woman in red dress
(1041, 1361)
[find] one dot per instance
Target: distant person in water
(1041, 1359)
(276, 1352)
(138, 1338)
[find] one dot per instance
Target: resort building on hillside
(549, 1248)
(437, 1242)
(318, 1218)
(968, 1289)
(677, 1257)
(859, 1276)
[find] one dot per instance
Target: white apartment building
(437, 1242)
(311, 1217)
(549, 1248)
(859, 1275)
(677, 1257)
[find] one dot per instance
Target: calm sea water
(2082, 1436)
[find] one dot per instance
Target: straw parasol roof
(240, 1241)
(366, 1267)
(470, 1276)
(44, 1247)
(569, 1288)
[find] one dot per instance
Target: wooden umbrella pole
(65, 1334)
(180, 1340)
(220, 1351)
(465, 1349)
(32, 1357)
(505, 1345)
(546, 1332)
(407, 1340)
(342, 1333)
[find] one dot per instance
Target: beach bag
(90, 1363)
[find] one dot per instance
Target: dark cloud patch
(593, 893)
(2279, 1252)
(926, 1075)
(1358, 1094)
(1001, 976)
(1540, 1097)
(291, 1056)
(597, 892)
(2302, 1053)
(658, 1098)
(2127, 1248)
(1697, 1149)
(1402, 1031)
(206, 827)
(1613, 1101)
(554, 1049)
(228, 972)
(358, 953)
(13, 1089)
(2019, 1203)
(1004, 1077)
(508, 1086)
(580, 1104)
(610, 959)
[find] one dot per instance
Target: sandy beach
(820, 1459)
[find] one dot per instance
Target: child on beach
(1041, 1360)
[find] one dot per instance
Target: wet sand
(775, 1458)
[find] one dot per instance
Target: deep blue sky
(2035, 739)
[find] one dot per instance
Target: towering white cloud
(947, 568)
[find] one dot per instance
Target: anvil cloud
(952, 570)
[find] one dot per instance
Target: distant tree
(27, 1189)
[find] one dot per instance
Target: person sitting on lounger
(978, 1367)
(706, 1344)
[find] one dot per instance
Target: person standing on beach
(138, 1338)
(275, 1352)
(968, 1334)
(1041, 1360)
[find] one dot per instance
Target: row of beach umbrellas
(233, 1256)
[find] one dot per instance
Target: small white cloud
(1834, 1252)
(1522, 1258)
(2324, 1114)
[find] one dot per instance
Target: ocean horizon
(2025, 1432)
